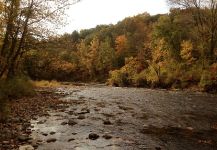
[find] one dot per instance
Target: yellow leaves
(186, 51)
(120, 42)
(62, 65)
(160, 53)
(131, 65)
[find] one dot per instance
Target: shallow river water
(128, 119)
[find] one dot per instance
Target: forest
(160, 51)
(177, 50)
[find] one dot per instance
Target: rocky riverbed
(89, 117)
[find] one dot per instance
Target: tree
(186, 51)
(205, 15)
(105, 56)
(121, 44)
(24, 19)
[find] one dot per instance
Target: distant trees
(153, 51)
(24, 20)
(204, 13)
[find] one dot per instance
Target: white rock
(26, 147)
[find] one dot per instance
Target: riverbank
(88, 116)
(16, 129)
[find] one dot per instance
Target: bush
(139, 80)
(4, 109)
(17, 87)
(118, 78)
(152, 77)
(208, 81)
(13, 89)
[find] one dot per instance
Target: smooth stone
(51, 140)
(45, 134)
(5, 142)
(23, 138)
(64, 123)
(93, 136)
(107, 122)
(71, 122)
(107, 136)
(26, 147)
(81, 117)
(52, 133)
(72, 139)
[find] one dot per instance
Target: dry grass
(44, 83)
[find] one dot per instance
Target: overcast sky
(89, 13)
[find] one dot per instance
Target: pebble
(93, 136)
(107, 122)
(45, 134)
(157, 148)
(64, 123)
(26, 147)
(107, 136)
(5, 142)
(52, 133)
(23, 138)
(71, 122)
(81, 117)
(72, 139)
(51, 140)
(190, 128)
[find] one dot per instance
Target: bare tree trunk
(12, 65)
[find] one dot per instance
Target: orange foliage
(120, 42)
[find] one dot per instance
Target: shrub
(208, 81)
(118, 78)
(139, 80)
(13, 89)
(152, 77)
(4, 108)
(17, 87)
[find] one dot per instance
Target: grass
(44, 83)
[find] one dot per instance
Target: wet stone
(41, 122)
(51, 140)
(71, 112)
(23, 138)
(157, 148)
(93, 136)
(107, 122)
(45, 134)
(52, 133)
(5, 142)
(72, 139)
(71, 122)
(107, 136)
(81, 117)
(26, 147)
(64, 123)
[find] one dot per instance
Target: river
(128, 119)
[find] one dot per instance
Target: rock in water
(93, 136)
(81, 117)
(107, 122)
(72, 139)
(23, 138)
(26, 147)
(51, 140)
(72, 122)
(107, 136)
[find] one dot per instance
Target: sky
(90, 13)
